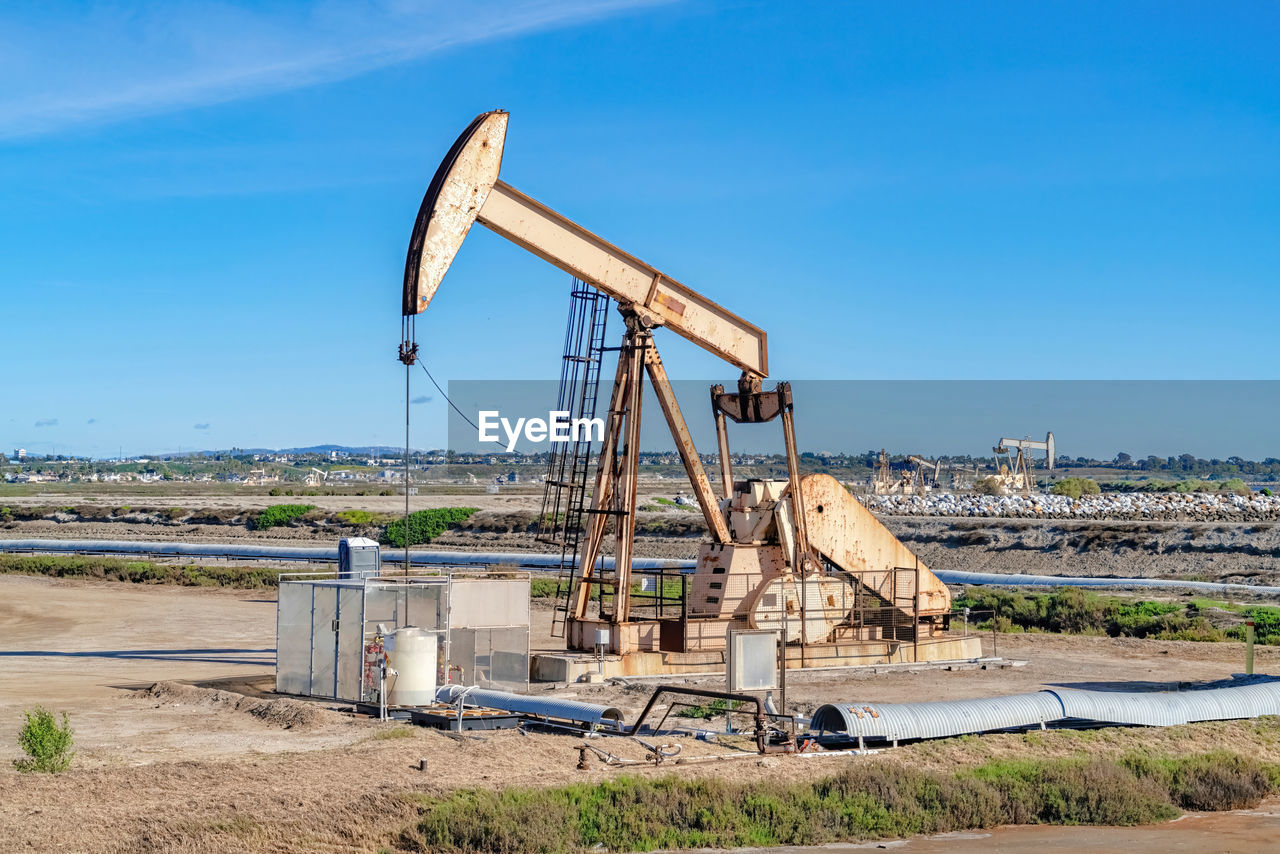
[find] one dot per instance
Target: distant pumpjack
(1017, 475)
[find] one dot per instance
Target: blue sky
(204, 208)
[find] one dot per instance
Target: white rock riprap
(1163, 506)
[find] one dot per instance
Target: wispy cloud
(66, 66)
(46, 422)
(204, 426)
(422, 398)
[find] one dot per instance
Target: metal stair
(564, 495)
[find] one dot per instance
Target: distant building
(20, 454)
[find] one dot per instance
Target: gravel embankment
(1164, 506)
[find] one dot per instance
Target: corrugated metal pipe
(859, 723)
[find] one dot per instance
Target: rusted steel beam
(684, 444)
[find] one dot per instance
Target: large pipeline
(303, 554)
(860, 723)
(550, 562)
(586, 714)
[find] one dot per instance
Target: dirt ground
(224, 768)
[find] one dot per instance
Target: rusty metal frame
(617, 474)
(684, 445)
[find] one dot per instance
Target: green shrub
(1075, 791)
(1211, 781)
(1074, 610)
(1074, 487)
(426, 525)
(1236, 485)
(1266, 625)
(361, 518)
(280, 514)
(47, 745)
(709, 710)
(544, 588)
(987, 486)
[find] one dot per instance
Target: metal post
(915, 608)
(802, 558)
(782, 676)
(382, 686)
(893, 607)
(625, 494)
(722, 443)
(1248, 647)
(406, 483)
(994, 652)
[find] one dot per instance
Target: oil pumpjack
(800, 555)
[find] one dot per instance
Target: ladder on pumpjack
(564, 495)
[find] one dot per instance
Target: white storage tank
(412, 653)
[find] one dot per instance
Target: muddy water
(1241, 832)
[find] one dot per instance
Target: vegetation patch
(362, 518)
(1266, 622)
(670, 504)
(425, 525)
(544, 588)
(988, 486)
(864, 801)
(394, 733)
(46, 743)
(1074, 487)
(710, 710)
(1073, 610)
(137, 571)
(1234, 484)
(280, 514)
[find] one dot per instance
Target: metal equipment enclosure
(489, 632)
(326, 628)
